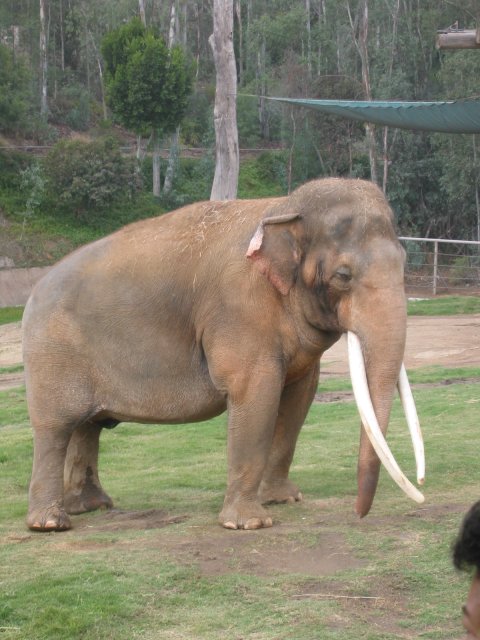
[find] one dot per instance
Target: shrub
(32, 185)
(71, 107)
(12, 163)
(87, 177)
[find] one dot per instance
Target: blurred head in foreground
(466, 554)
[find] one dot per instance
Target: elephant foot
(53, 518)
(89, 499)
(279, 491)
(244, 515)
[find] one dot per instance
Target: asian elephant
(218, 306)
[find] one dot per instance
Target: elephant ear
(275, 250)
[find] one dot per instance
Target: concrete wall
(16, 285)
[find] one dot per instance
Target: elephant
(219, 306)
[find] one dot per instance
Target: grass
(10, 314)
(194, 580)
(444, 306)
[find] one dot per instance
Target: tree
(148, 84)
(43, 60)
(225, 181)
(14, 90)
(360, 34)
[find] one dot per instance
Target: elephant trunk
(375, 365)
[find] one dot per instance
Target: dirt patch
(119, 520)
(447, 341)
(10, 344)
(281, 549)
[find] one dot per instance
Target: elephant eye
(343, 274)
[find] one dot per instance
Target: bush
(12, 163)
(87, 177)
(71, 107)
(32, 185)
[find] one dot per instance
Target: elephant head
(331, 249)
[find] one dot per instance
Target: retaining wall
(16, 285)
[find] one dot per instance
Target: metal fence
(442, 266)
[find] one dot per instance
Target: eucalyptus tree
(15, 92)
(227, 163)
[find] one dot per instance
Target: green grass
(14, 368)
(444, 306)
(10, 314)
(194, 580)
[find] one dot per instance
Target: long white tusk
(408, 404)
(369, 419)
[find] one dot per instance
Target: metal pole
(435, 267)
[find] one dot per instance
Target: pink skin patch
(255, 242)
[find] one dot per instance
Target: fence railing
(442, 266)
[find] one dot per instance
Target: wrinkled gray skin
(168, 320)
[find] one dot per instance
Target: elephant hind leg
(46, 507)
(83, 491)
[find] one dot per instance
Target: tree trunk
(361, 24)
(225, 181)
(172, 31)
(309, 38)
(238, 12)
(172, 158)
(102, 87)
(262, 91)
(172, 161)
(156, 163)
(199, 39)
(43, 60)
(141, 8)
(62, 38)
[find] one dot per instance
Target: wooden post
(466, 39)
(435, 267)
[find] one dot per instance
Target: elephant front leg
(83, 491)
(295, 402)
(252, 414)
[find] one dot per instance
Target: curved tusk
(369, 419)
(408, 404)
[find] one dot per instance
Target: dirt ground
(450, 341)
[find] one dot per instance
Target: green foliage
(192, 181)
(197, 124)
(87, 177)
(148, 83)
(33, 187)
(71, 107)
(12, 163)
(14, 91)
(263, 177)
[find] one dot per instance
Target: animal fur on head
(466, 549)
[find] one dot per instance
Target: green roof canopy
(457, 116)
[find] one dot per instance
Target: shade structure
(455, 116)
